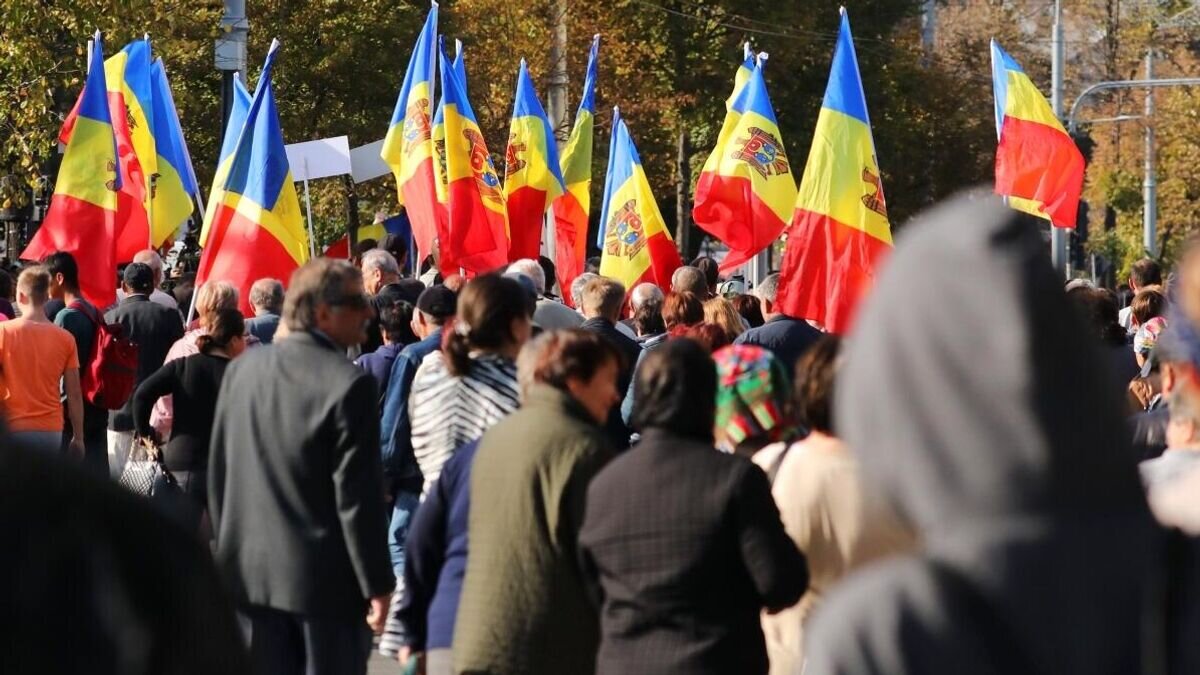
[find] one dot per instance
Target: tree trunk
(352, 213)
(683, 211)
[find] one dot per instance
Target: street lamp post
(230, 53)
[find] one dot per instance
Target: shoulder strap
(83, 309)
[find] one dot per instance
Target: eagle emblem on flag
(763, 152)
(417, 127)
(512, 156)
(481, 166)
(624, 235)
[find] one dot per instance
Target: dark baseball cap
(138, 277)
(438, 301)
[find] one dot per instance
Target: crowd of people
(991, 474)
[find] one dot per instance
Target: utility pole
(928, 30)
(556, 109)
(683, 211)
(1058, 235)
(230, 53)
(1150, 182)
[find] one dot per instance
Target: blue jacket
(785, 337)
(395, 427)
(436, 556)
(263, 327)
(379, 364)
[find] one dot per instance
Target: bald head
(644, 292)
(690, 280)
(151, 258)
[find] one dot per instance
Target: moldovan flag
(572, 207)
(742, 76)
(746, 192)
(82, 219)
(238, 109)
(127, 74)
(408, 146)
(532, 176)
(839, 233)
(439, 162)
(258, 231)
(1038, 166)
(478, 218)
(175, 186)
(637, 246)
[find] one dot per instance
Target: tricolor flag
(637, 245)
(127, 74)
(258, 230)
(238, 109)
(572, 208)
(840, 231)
(742, 76)
(82, 219)
(1038, 166)
(532, 176)
(746, 191)
(175, 183)
(439, 141)
(408, 146)
(478, 219)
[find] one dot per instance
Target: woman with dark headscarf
(986, 419)
(684, 543)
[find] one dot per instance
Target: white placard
(366, 164)
(319, 159)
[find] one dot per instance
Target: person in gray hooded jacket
(984, 417)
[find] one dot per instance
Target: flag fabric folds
(839, 232)
(532, 176)
(637, 245)
(175, 182)
(439, 158)
(82, 218)
(571, 209)
(477, 216)
(238, 109)
(258, 230)
(746, 191)
(1038, 166)
(408, 146)
(745, 68)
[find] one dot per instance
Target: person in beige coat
(817, 487)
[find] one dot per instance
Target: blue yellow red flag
(1038, 166)
(746, 192)
(745, 68)
(408, 147)
(532, 176)
(238, 109)
(839, 233)
(477, 216)
(175, 180)
(82, 218)
(572, 208)
(258, 230)
(637, 245)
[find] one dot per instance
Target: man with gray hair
(151, 258)
(577, 289)
(296, 488)
(549, 314)
(688, 279)
(643, 292)
(266, 299)
(381, 278)
(787, 337)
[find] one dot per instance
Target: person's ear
(1167, 378)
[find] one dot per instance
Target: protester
(435, 308)
(1144, 272)
(524, 607)
(719, 311)
(266, 299)
(461, 391)
(683, 542)
(92, 581)
(396, 245)
(212, 297)
(307, 558)
(818, 487)
(984, 417)
(640, 295)
(1098, 307)
(711, 336)
(154, 328)
(750, 309)
(601, 305)
(1183, 442)
(1148, 311)
(394, 324)
(193, 383)
(550, 314)
(151, 258)
(381, 277)
(35, 357)
(577, 288)
(787, 337)
(647, 319)
(682, 311)
(184, 291)
(754, 408)
(7, 296)
(82, 320)
(711, 271)
(687, 279)
(550, 274)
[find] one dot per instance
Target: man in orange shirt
(35, 355)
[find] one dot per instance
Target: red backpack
(110, 374)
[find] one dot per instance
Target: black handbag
(144, 473)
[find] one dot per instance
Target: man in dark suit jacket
(266, 299)
(601, 302)
(154, 328)
(296, 487)
(786, 337)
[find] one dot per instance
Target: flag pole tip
(842, 11)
